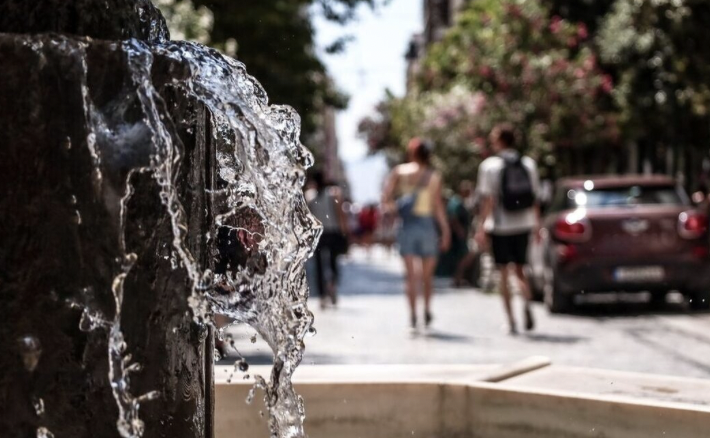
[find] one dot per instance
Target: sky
(372, 62)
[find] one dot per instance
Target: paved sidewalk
(370, 326)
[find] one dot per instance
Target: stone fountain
(146, 185)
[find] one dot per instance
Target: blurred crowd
(437, 231)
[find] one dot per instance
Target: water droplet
(251, 394)
(312, 331)
(253, 339)
(243, 365)
(31, 350)
(43, 432)
(38, 404)
(149, 396)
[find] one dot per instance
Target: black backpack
(516, 190)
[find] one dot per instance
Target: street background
(612, 87)
(370, 326)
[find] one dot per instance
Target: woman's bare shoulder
(405, 169)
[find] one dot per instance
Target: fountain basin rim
(519, 406)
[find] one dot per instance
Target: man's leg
(527, 295)
(505, 294)
(411, 286)
(428, 268)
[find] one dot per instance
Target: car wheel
(556, 300)
(658, 298)
(699, 300)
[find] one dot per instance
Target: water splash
(43, 432)
(261, 210)
(38, 404)
(262, 233)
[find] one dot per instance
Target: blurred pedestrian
(367, 224)
(326, 204)
(471, 256)
(508, 183)
(460, 223)
(413, 190)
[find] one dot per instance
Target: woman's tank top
(423, 207)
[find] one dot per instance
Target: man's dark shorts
(511, 248)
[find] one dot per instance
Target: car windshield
(625, 196)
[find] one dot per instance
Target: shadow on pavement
(443, 336)
(554, 339)
(624, 305)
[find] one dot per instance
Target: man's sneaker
(529, 321)
(513, 330)
(428, 318)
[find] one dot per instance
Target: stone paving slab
(648, 387)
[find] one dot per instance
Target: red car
(622, 233)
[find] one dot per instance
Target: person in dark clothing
(326, 204)
(460, 223)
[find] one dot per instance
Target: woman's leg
(428, 268)
(411, 285)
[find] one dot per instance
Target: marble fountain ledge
(528, 399)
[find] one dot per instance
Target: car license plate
(639, 274)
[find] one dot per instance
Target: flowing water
(258, 204)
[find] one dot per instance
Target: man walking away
(508, 183)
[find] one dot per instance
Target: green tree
(661, 53)
(507, 60)
(185, 21)
(275, 39)
(589, 12)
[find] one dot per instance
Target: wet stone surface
(106, 19)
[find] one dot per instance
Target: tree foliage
(589, 12)
(660, 50)
(185, 21)
(504, 60)
(275, 39)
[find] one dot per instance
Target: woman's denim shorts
(418, 237)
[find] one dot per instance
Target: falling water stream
(258, 203)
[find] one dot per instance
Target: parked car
(621, 233)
